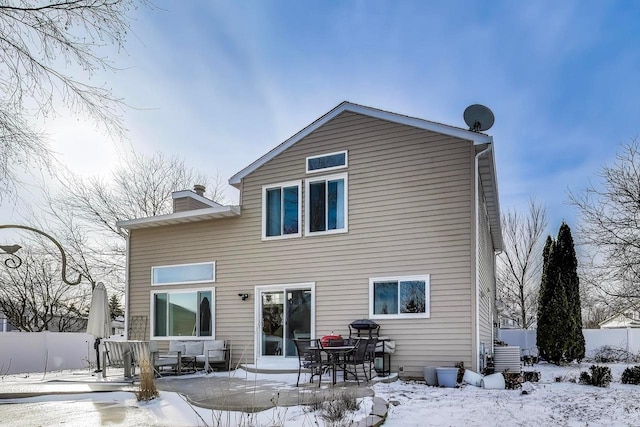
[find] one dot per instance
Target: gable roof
(477, 138)
(486, 164)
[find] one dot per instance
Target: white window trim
(183, 338)
(346, 162)
(424, 277)
(308, 182)
(184, 282)
(282, 185)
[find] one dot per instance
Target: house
(629, 318)
(5, 325)
(362, 214)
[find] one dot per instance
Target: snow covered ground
(545, 403)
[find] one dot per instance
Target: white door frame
(258, 314)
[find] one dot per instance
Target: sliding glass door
(284, 313)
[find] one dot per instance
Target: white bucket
(472, 378)
(447, 377)
(493, 382)
(430, 375)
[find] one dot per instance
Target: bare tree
(519, 265)
(84, 213)
(610, 225)
(34, 298)
(50, 50)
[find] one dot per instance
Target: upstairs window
(399, 297)
(281, 210)
(326, 206)
(326, 162)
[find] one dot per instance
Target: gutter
(476, 180)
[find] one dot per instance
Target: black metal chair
(310, 358)
(359, 356)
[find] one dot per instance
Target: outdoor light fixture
(244, 296)
(14, 261)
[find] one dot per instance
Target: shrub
(609, 354)
(460, 366)
(531, 376)
(631, 375)
(585, 378)
(600, 376)
(336, 410)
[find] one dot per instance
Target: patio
(237, 390)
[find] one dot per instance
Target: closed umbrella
(99, 324)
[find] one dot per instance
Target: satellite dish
(478, 117)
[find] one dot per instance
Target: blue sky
(221, 83)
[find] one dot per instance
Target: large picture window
(399, 297)
(281, 210)
(326, 205)
(184, 313)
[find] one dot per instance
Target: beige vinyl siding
(410, 201)
(486, 273)
(183, 204)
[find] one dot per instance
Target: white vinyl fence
(22, 352)
(625, 338)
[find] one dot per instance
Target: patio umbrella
(99, 324)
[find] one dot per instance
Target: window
(327, 162)
(281, 210)
(184, 273)
(326, 207)
(184, 313)
(399, 297)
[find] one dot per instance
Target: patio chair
(360, 356)
(310, 357)
(142, 350)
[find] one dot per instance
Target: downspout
(477, 211)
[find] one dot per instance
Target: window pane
(412, 297)
(160, 314)
(204, 313)
(182, 314)
(385, 298)
(324, 162)
(317, 206)
(335, 201)
(274, 212)
(290, 222)
(183, 273)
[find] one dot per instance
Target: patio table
(336, 355)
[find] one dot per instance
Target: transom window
(183, 274)
(183, 313)
(326, 205)
(325, 162)
(399, 297)
(281, 210)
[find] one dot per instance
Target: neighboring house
(362, 214)
(5, 326)
(630, 318)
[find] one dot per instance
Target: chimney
(199, 189)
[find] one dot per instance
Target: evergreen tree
(115, 308)
(568, 278)
(553, 322)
